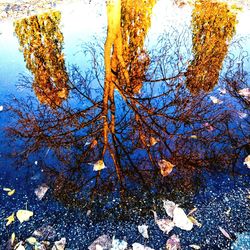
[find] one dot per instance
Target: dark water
(185, 101)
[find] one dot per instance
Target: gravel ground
(223, 202)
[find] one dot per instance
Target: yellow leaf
(10, 191)
(166, 167)
(31, 240)
(23, 215)
(10, 219)
(99, 165)
(12, 238)
(194, 221)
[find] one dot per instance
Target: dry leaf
(10, 191)
(31, 240)
(173, 243)
(12, 238)
(181, 220)
(195, 246)
(99, 165)
(10, 219)
(59, 245)
(193, 137)
(225, 233)
(23, 215)
(118, 244)
(19, 246)
(138, 246)
(103, 241)
(165, 225)
(194, 221)
(143, 230)
(247, 161)
(166, 167)
(215, 100)
(169, 207)
(41, 191)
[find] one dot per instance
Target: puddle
(110, 116)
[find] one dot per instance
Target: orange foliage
(213, 27)
(41, 42)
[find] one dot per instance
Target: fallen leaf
(143, 230)
(173, 243)
(41, 191)
(215, 100)
(118, 244)
(169, 207)
(47, 232)
(225, 233)
(12, 238)
(10, 219)
(99, 165)
(138, 246)
(10, 191)
(23, 215)
(166, 167)
(194, 221)
(193, 137)
(228, 211)
(60, 244)
(244, 92)
(31, 240)
(195, 246)
(165, 225)
(19, 246)
(247, 161)
(103, 241)
(181, 220)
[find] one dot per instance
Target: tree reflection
(213, 25)
(41, 42)
(131, 132)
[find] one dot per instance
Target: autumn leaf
(31, 240)
(181, 220)
(225, 233)
(247, 161)
(169, 207)
(165, 225)
(41, 191)
(99, 165)
(12, 238)
(143, 230)
(10, 191)
(166, 167)
(195, 246)
(194, 221)
(173, 243)
(10, 219)
(23, 215)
